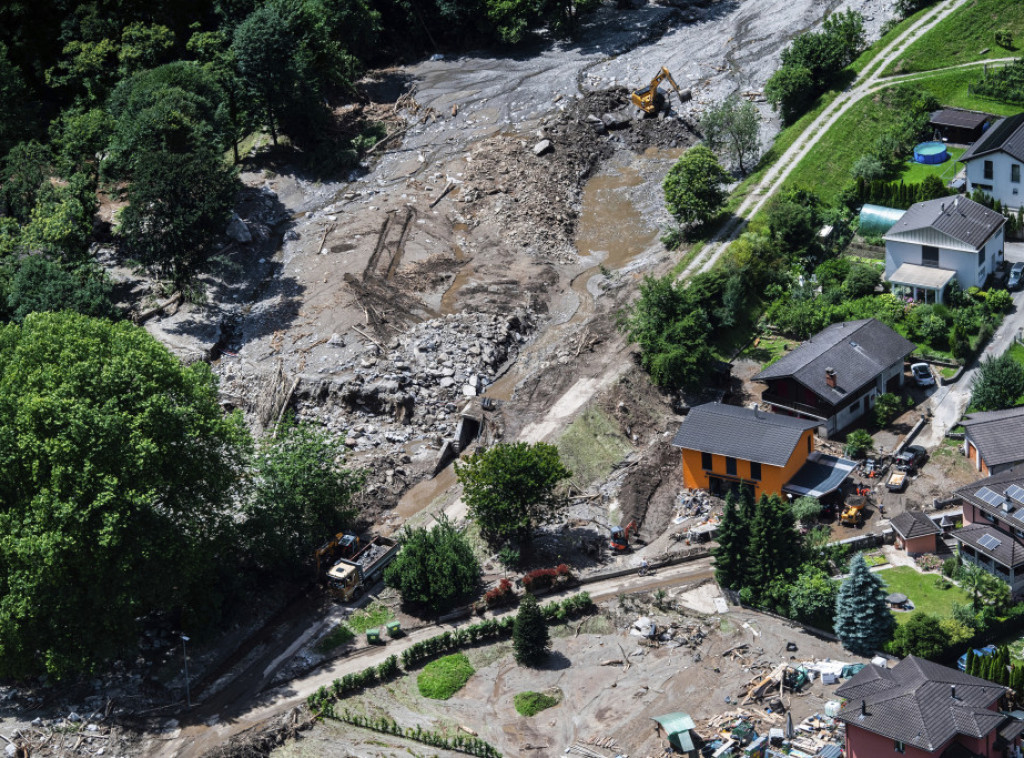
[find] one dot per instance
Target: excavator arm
(646, 98)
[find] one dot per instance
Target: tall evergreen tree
(863, 620)
(772, 549)
(733, 536)
(530, 638)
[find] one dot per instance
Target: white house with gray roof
(994, 162)
(940, 240)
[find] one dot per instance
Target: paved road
(777, 174)
(948, 403)
(207, 730)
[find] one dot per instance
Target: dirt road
(776, 175)
(205, 729)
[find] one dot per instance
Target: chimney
(863, 707)
(830, 376)
(952, 691)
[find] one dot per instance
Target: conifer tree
(972, 663)
(863, 621)
(530, 638)
(733, 536)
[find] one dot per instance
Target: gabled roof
(911, 524)
(999, 435)
(1007, 135)
(998, 545)
(741, 433)
(957, 117)
(914, 703)
(957, 223)
(858, 351)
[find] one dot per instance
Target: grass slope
(921, 590)
(338, 636)
(591, 445)
(961, 37)
(441, 679)
(950, 87)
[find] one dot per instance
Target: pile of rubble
(533, 184)
(416, 385)
(73, 735)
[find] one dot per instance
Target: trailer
(348, 578)
(897, 481)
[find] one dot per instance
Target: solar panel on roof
(1019, 516)
(1015, 492)
(991, 497)
(989, 542)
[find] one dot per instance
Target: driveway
(948, 403)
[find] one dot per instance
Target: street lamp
(188, 694)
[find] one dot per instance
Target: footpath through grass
(441, 679)
(923, 591)
(963, 35)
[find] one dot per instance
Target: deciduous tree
(731, 130)
(694, 186)
(510, 488)
(436, 568)
(998, 384)
(812, 598)
(920, 635)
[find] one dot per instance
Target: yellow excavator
(648, 99)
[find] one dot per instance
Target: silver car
(922, 374)
(1016, 275)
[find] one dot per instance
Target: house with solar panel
(994, 161)
(993, 532)
(938, 241)
(994, 440)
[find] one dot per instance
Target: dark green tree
(919, 635)
(812, 598)
(19, 111)
(41, 284)
(436, 568)
(299, 494)
(733, 539)
(530, 638)
(116, 467)
(24, 171)
(998, 384)
(863, 620)
(510, 488)
(791, 90)
(731, 130)
(178, 204)
(773, 536)
(694, 187)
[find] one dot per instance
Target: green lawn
(532, 703)
(961, 37)
(865, 58)
(921, 590)
(441, 679)
(768, 349)
(916, 172)
(950, 87)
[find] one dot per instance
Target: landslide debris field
(463, 288)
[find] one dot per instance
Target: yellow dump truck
(349, 577)
(853, 511)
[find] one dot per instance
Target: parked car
(1016, 280)
(911, 457)
(988, 650)
(922, 374)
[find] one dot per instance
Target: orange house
(726, 445)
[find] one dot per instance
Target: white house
(994, 162)
(939, 240)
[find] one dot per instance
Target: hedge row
(460, 742)
(321, 700)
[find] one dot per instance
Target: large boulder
(238, 231)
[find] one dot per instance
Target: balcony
(785, 402)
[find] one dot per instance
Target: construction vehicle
(341, 545)
(620, 536)
(650, 100)
(853, 511)
(348, 578)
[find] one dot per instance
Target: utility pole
(184, 649)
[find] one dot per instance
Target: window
(988, 169)
(730, 466)
(755, 471)
(929, 256)
(898, 746)
(981, 257)
(986, 187)
(705, 461)
(1015, 173)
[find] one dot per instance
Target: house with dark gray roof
(938, 241)
(994, 440)
(960, 126)
(725, 446)
(915, 532)
(993, 532)
(834, 377)
(919, 708)
(994, 161)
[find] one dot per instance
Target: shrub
(999, 301)
(951, 567)
(531, 703)
(542, 579)
(442, 678)
(929, 562)
(887, 407)
(859, 443)
(1004, 38)
(501, 595)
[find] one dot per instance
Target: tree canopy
(998, 384)
(731, 130)
(116, 463)
(863, 620)
(531, 640)
(510, 488)
(694, 186)
(436, 568)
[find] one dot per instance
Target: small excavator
(620, 537)
(649, 100)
